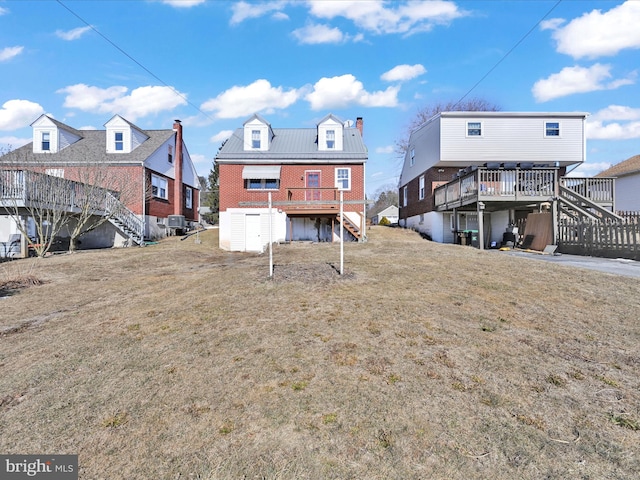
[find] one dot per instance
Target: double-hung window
(474, 129)
(551, 129)
(159, 187)
(331, 139)
(170, 154)
(188, 197)
(405, 194)
(413, 157)
(255, 138)
(46, 141)
(422, 187)
(343, 178)
(119, 141)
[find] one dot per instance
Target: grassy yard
(180, 361)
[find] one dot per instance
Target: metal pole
(341, 233)
(270, 239)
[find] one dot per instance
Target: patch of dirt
(7, 287)
(315, 273)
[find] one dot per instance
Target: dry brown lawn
(180, 361)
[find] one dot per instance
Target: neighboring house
(481, 173)
(305, 170)
(627, 175)
(157, 173)
(390, 213)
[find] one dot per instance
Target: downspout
(177, 177)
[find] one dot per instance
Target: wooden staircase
(125, 220)
(577, 206)
(351, 227)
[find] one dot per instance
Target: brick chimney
(177, 166)
(359, 125)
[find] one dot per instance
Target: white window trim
(331, 137)
(338, 184)
(159, 179)
(404, 196)
(48, 134)
(422, 188)
(259, 139)
(481, 129)
(116, 142)
(546, 122)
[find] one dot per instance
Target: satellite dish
(348, 123)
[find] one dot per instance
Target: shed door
(253, 242)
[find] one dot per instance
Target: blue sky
(213, 64)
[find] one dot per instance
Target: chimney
(359, 125)
(177, 167)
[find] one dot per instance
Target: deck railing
(484, 184)
(313, 197)
(597, 189)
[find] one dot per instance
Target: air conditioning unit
(176, 221)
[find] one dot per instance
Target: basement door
(252, 231)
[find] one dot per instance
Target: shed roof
(626, 167)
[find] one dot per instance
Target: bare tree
(427, 112)
(102, 193)
(37, 203)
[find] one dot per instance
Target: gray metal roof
(294, 145)
(91, 148)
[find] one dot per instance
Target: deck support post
(480, 225)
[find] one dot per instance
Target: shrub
(384, 221)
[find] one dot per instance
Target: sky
(214, 63)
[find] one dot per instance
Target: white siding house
(627, 174)
(454, 143)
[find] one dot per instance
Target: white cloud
(376, 17)
(3, 11)
(140, 102)
(385, 150)
(616, 112)
(246, 10)
(598, 34)
(260, 96)
(11, 143)
(589, 169)
(221, 136)
(10, 52)
(551, 24)
(16, 114)
(577, 79)
(74, 34)
(345, 90)
(315, 33)
(183, 3)
(403, 72)
(616, 122)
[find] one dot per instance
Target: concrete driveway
(615, 266)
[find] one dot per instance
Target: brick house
(154, 173)
(304, 170)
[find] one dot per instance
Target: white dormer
(123, 136)
(257, 134)
(330, 137)
(51, 136)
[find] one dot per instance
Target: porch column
(481, 225)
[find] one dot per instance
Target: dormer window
(255, 138)
(46, 141)
(331, 139)
(119, 141)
